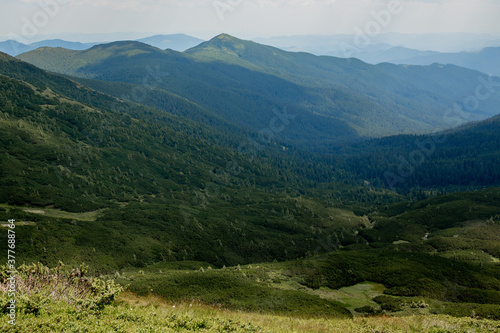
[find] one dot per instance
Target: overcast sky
(244, 18)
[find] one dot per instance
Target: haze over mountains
(486, 60)
(133, 158)
(437, 42)
(297, 166)
(332, 100)
(178, 42)
(477, 52)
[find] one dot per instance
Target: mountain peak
(229, 48)
(225, 43)
(127, 44)
(225, 37)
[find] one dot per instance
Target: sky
(33, 20)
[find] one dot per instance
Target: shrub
(366, 309)
(387, 303)
(40, 288)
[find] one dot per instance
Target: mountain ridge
(143, 189)
(337, 92)
(178, 42)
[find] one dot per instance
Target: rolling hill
(465, 157)
(334, 100)
(178, 42)
(217, 88)
(180, 186)
(485, 60)
(477, 56)
(14, 48)
(137, 190)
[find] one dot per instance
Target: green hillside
(466, 157)
(330, 100)
(184, 190)
(436, 256)
(176, 195)
(401, 90)
(244, 98)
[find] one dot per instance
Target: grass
(287, 289)
(43, 305)
(283, 323)
(249, 289)
(472, 256)
(50, 212)
(57, 213)
(358, 295)
(351, 297)
(132, 313)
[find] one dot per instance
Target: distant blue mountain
(486, 60)
(177, 42)
(376, 54)
(14, 48)
(77, 46)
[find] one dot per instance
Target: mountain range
(66, 146)
(71, 147)
(178, 42)
(331, 100)
(395, 50)
(484, 60)
(314, 172)
(437, 42)
(14, 48)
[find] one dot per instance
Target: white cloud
(253, 17)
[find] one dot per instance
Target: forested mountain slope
(331, 100)
(117, 184)
(180, 186)
(466, 157)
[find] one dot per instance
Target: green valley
(238, 187)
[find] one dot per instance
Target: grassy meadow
(131, 313)
(262, 298)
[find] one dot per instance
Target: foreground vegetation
(62, 300)
(205, 235)
(400, 284)
(146, 315)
